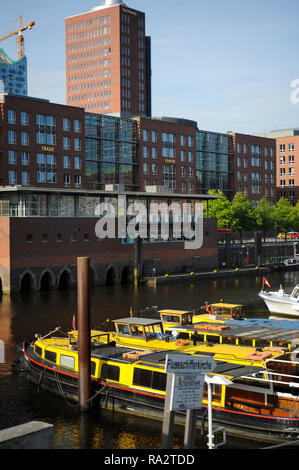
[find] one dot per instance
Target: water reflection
(23, 316)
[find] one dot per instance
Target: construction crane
(19, 32)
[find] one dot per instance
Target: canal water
(24, 315)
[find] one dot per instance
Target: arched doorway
(45, 282)
(110, 277)
(27, 283)
(64, 281)
(125, 275)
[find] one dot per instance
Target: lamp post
(213, 380)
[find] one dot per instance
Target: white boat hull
(280, 304)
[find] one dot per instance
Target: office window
(77, 163)
(154, 152)
(24, 118)
(77, 144)
(25, 158)
(66, 143)
(24, 138)
(66, 124)
(11, 116)
(182, 140)
(77, 125)
(282, 160)
(66, 161)
(11, 137)
(282, 148)
(291, 159)
(78, 180)
(154, 136)
(12, 177)
(291, 147)
(190, 141)
(12, 157)
(145, 168)
(145, 151)
(25, 177)
(67, 180)
(145, 135)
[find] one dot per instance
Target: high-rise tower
(108, 66)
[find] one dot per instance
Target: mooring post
(83, 332)
(137, 260)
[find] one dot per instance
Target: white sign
(187, 392)
(187, 364)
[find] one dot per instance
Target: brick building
(254, 166)
(287, 162)
(167, 154)
(42, 143)
(108, 60)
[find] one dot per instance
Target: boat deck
(239, 330)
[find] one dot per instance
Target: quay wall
(40, 253)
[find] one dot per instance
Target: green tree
(284, 215)
(219, 209)
(264, 216)
(242, 214)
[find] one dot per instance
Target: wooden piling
(83, 306)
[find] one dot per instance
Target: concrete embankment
(215, 274)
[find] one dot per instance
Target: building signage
(187, 364)
(47, 149)
(169, 161)
(187, 392)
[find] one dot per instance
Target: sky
(228, 65)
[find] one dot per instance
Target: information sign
(187, 392)
(187, 364)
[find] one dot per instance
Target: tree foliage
(240, 215)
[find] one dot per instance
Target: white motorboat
(281, 303)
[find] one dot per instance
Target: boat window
(262, 343)
(228, 340)
(237, 312)
(137, 330)
(171, 318)
(221, 311)
(93, 367)
(245, 342)
(38, 350)
(150, 379)
(142, 377)
(183, 336)
(159, 381)
(110, 372)
(150, 332)
(123, 329)
(213, 339)
(50, 356)
(281, 344)
(67, 361)
(295, 293)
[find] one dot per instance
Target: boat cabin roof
(223, 305)
(138, 321)
(174, 312)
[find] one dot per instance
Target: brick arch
(27, 282)
(47, 280)
(65, 280)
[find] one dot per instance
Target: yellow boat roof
(226, 305)
(174, 312)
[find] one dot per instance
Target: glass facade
(213, 162)
(110, 151)
(13, 75)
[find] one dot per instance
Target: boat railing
(278, 375)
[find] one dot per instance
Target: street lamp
(213, 380)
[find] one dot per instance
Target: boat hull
(140, 403)
(280, 306)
